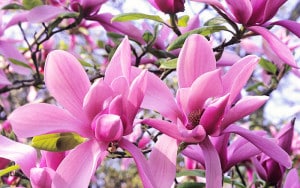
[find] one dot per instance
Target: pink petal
(120, 63)
(292, 179)
(236, 78)
(213, 115)
(41, 177)
(213, 169)
(46, 119)
(265, 145)
(96, 97)
(260, 169)
(158, 97)
(141, 163)
(77, 169)
(206, 86)
(162, 161)
(44, 13)
(52, 159)
(277, 45)
(196, 58)
(292, 26)
(242, 9)
(228, 58)
(271, 9)
(165, 127)
(212, 2)
(242, 108)
(67, 81)
(15, 151)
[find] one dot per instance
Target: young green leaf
(30, 4)
(9, 169)
(168, 64)
(268, 66)
(57, 141)
(183, 20)
(136, 16)
(215, 21)
(19, 63)
(205, 31)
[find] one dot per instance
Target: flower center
(108, 127)
(194, 119)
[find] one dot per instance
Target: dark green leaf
(136, 16)
(30, 4)
(205, 31)
(268, 66)
(57, 141)
(13, 6)
(148, 36)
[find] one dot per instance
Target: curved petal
(242, 108)
(241, 9)
(196, 58)
(213, 169)
(44, 13)
(15, 151)
(72, 173)
(206, 86)
(162, 161)
(292, 179)
(120, 63)
(158, 97)
(96, 97)
(238, 75)
(265, 145)
(41, 177)
(277, 46)
(292, 26)
(36, 119)
(141, 163)
(271, 9)
(67, 81)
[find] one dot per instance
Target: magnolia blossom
(206, 105)
(168, 6)
(102, 113)
(255, 16)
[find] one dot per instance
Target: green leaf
(57, 141)
(205, 31)
(30, 4)
(168, 64)
(148, 36)
(13, 6)
(215, 21)
(135, 16)
(9, 169)
(20, 63)
(84, 63)
(268, 66)
(191, 185)
(231, 181)
(200, 173)
(183, 20)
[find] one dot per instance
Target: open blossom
(255, 16)
(206, 105)
(102, 113)
(168, 6)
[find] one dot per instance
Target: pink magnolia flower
(103, 113)
(89, 7)
(206, 104)
(269, 170)
(168, 6)
(292, 179)
(254, 15)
